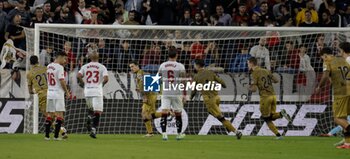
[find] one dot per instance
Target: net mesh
(291, 55)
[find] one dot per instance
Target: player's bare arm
(80, 80)
(64, 87)
(325, 77)
(105, 80)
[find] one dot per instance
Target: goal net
(292, 54)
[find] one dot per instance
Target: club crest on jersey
(151, 83)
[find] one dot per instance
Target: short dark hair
(199, 62)
(61, 53)
(302, 45)
(345, 46)
(172, 52)
(253, 60)
(34, 60)
(134, 62)
(326, 51)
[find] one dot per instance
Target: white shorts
(55, 105)
(172, 102)
(95, 102)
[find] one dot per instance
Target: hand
(184, 99)
(317, 90)
(144, 100)
(68, 94)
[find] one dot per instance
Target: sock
(58, 124)
(275, 116)
(178, 122)
(228, 126)
(148, 125)
(48, 123)
(96, 120)
(273, 128)
(156, 115)
(335, 130)
(163, 122)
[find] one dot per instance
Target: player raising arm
(262, 81)
(149, 99)
(57, 87)
(96, 76)
(210, 97)
(337, 70)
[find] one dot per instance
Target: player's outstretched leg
(48, 123)
(178, 118)
(58, 124)
(163, 125)
(229, 127)
(95, 123)
(271, 125)
(149, 128)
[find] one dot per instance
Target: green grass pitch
(26, 146)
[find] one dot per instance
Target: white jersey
(348, 59)
(170, 72)
(93, 74)
(55, 73)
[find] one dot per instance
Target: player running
(55, 94)
(96, 76)
(337, 70)
(210, 97)
(149, 100)
(172, 72)
(262, 81)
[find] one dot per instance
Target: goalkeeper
(149, 100)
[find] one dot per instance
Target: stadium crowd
(278, 54)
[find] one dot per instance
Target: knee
(221, 118)
(267, 118)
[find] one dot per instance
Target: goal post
(225, 51)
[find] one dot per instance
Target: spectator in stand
(285, 19)
(167, 12)
(296, 6)
(48, 15)
(131, 20)
(16, 33)
(292, 61)
(276, 8)
(133, 5)
(71, 58)
(335, 17)
(308, 20)
(65, 17)
(305, 63)
(301, 16)
(39, 18)
(185, 54)
(197, 48)
(46, 55)
(94, 17)
(239, 63)
(82, 13)
(7, 6)
(335, 46)
(223, 17)
(212, 56)
(316, 61)
(186, 19)
(198, 20)
(106, 11)
(150, 12)
(151, 59)
(262, 54)
(346, 17)
(241, 16)
(264, 13)
(118, 19)
(3, 23)
(103, 51)
(119, 9)
(123, 56)
(326, 20)
(255, 20)
(20, 10)
(214, 21)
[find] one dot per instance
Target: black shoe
(239, 135)
(93, 133)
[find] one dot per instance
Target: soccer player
(210, 97)
(262, 81)
(96, 76)
(37, 82)
(57, 87)
(336, 69)
(149, 99)
(172, 72)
